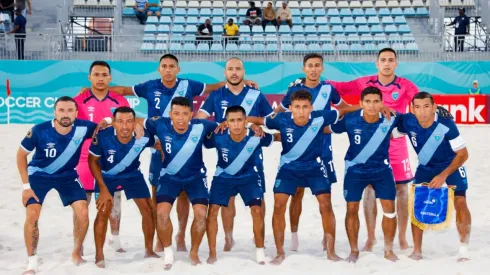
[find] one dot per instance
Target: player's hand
(437, 181)
(104, 201)
(388, 112)
(139, 131)
(257, 130)
(251, 83)
(27, 194)
(444, 113)
(83, 90)
(221, 128)
(300, 80)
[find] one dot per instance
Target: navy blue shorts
(134, 187)
(69, 188)
(156, 165)
(330, 169)
(222, 189)
(458, 178)
(169, 189)
(287, 181)
(382, 181)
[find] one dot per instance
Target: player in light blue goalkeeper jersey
(114, 161)
(441, 153)
(302, 133)
(57, 144)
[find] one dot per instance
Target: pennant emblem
(249, 101)
(113, 109)
(77, 141)
(277, 183)
(384, 129)
(395, 95)
(137, 149)
(314, 128)
(250, 149)
(181, 93)
(324, 95)
(437, 137)
(194, 139)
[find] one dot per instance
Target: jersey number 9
(357, 139)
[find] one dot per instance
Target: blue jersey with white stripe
(56, 155)
(238, 159)
(183, 152)
(300, 143)
(323, 96)
(436, 145)
(159, 97)
(116, 159)
(253, 101)
(369, 142)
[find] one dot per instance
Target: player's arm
(122, 90)
(256, 120)
(207, 108)
(345, 109)
(26, 147)
(277, 137)
(286, 100)
(95, 151)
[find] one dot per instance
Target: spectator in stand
(475, 90)
(7, 6)
(461, 28)
(140, 10)
(154, 7)
(20, 33)
(21, 5)
(284, 15)
(254, 15)
(269, 16)
(205, 31)
(231, 31)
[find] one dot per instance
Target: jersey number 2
(157, 103)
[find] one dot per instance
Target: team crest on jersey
(437, 137)
(50, 145)
(324, 95)
(395, 95)
(77, 141)
(137, 149)
(181, 93)
(113, 109)
(249, 101)
(314, 128)
(384, 129)
(250, 149)
(194, 139)
(277, 183)
(155, 118)
(29, 134)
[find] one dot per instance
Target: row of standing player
(312, 71)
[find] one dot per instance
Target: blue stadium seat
(323, 29)
(366, 38)
(403, 29)
(398, 47)
(321, 21)
(334, 21)
(242, 12)
(387, 20)
(271, 47)
(147, 47)
(326, 39)
(129, 12)
(308, 21)
(298, 39)
(347, 21)
(328, 48)
(345, 12)
(191, 29)
(384, 12)
(379, 38)
(217, 29)
(343, 48)
(356, 48)
(307, 13)
(397, 12)
(152, 20)
(363, 30)
(166, 12)
(243, 29)
(203, 47)
(361, 21)
(218, 12)
(245, 38)
(231, 47)
(394, 38)
(300, 47)
(383, 45)
(271, 38)
(189, 47)
(151, 29)
(205, 12)
(410, 12)
(258, 47)
(258, 39)
(422, 12)
(371, 12)
(357, 13)
(165, 20)
(319, 13)
(193, 12)
(310, 30)
(376, 29)
(312, 38)
(180, 12)
(284, 30)
(179, 20)
(176, 38)
(297, 21)
(353, 38)
(295, 12)
(370, 48)
(257, 30)
(177, 29)
(297, 30)
(162, 38)
(287, 47)
(190, 36)
(160, 47)
(350, 29)
(340, 39)
(373, 21)
(412, 47)
(333, 13)
(175, 47)
(192, 21)
(391, 29)
(149, 38)
(337, 30)
(400, 20)
(231, 13)
(408, 38)
(245, 48)
(219, 21)
(270, 29)
(314, 47)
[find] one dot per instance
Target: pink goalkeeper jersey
(90, 108)
(397, 95)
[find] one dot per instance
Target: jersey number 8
(168, 148)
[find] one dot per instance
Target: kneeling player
(237, 173)
(114, 161)
(367, 163)
(441, 153)
(301, 136)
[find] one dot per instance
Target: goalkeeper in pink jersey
(94, 105)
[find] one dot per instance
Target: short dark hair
(124, 110)
(169, 56)
(65, 99)
(387, 50)
(181, 101)
(235, 109)
(310, 56)
(301, 95)
(99, 63)
(423, 95)
(252, 3)
(371, 91)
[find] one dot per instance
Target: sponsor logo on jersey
(111, 152)
(91, 109)
(50, 145)
(224, 103)
(357, 131)
(157, 94)
(168, 139)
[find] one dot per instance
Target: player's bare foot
(167, 266)
(151, 255)
(212, 259)
(389, 255)
(416, 256)
(194, 258)
(116, 246)
(168, 260)
(229, 244)
(278, 260)
(333, 257)
(353, 257)
(404, 245)
(368, 247)
(180, 242)
(29, 272)
(100, 263)
(77, 259)
(460, 260)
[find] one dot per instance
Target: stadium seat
(127, 3)
(343, 4)
(203, 47)
(257, 30)
(335, 21)
(258, 47)
(412, 48)
(218, 12)
(405, 4)
(271, 38)
(418, 3)
(193, 4)
(326, 39)
(293, 4)
(333, 13)
(190, 47)
(398, 47)
(147, 47)
(258, 39)
(371, 12)
(314, 47)
(328, 48)
(295, 13)
(245, 38)
(340, 39)
(392, 3)
(244, 4)
(353, 38)
(337, 30)
(179, 20)
(357, 12)
(219, 20)
(408, 38)
(284, 30)
(400, 20)
(205, 12)
(168, 4)
(165, 20)
(287, 38)
(286, 47)
(177, 29)
(323, 29)
(160, 47)
(190, 36)
(422, 12)
(206, 4)
(303, 4)
(350, 29)
(180, 12)
(397, 12)
(312, 38)
(298, 39)
(310, 30)
(409, 12)
(329, 5)
(231, 13)
(218, 4)
(231, 47)
(345, 12)
(343, 48)
(373, 21)
(270, 29)
(175, 47)
(317, 5)
(152, 20)
(297, 30)
(403, 29)
(307, 13)
(245, 48)
(319, 13)
(379, 38)
(355, 4)
(180, 4)
(321, 21)
(300, 47)
(380, 4)
(383, 45)
(297, 21)
(356, 48)
(231, 5)
(243, 29)
(149, 38)
(391, 29)
(367, 4)
(162, 38)
(365, 38)
(348, 21)
(376, 29)
(176, 38)
(271, 48)
(370, 48)
(191, 29)
(394, 38)
(192, 20)
(128, 11)
(387, 20)
(384, 12)
(361, 21)
(363, 29)
(151, 29)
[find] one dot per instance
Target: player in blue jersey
(158, 94)
(237, 172)
(114, 161)
(183, 171)
(301, 136)
(323, 96)
(58, 144)
(367, 163)
(254, 102)
(441, 153)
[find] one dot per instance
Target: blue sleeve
(210, 141)
(29, 141)
(267, 140)
(336, 99)
(141, 90)
(151, 139)
(453, 129)
(91, 126)
(209, 126)
(208, 105)
(265, 108)
(339, 127)
(95, 148)
(273, 122)
(286, 100)
(151, 124)
(197, 88)
(400, 123)
(329, 117)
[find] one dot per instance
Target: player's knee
(82, 213)
(163, 216)
(200, 213)
(300, 192)
(352, 209)
(325, 207)
(280, 207)
(213, 212)
(460, 203)
(401, 190)
(32, 215)
(256, 211)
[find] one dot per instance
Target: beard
(238, 82)
(65, 122)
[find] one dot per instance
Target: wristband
(108, 120)
(249, 125)
(26, 186)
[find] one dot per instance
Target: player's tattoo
(35, 238)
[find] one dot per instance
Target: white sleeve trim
(134, 92)
(25, 149)
(203, 90)
(397, 134)
(283, 106)
(93, 154)
(204, 111)
(272, 141)
(338, 114)
(269, 115)
(144, 123)
(340, 102)
(457, 143)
